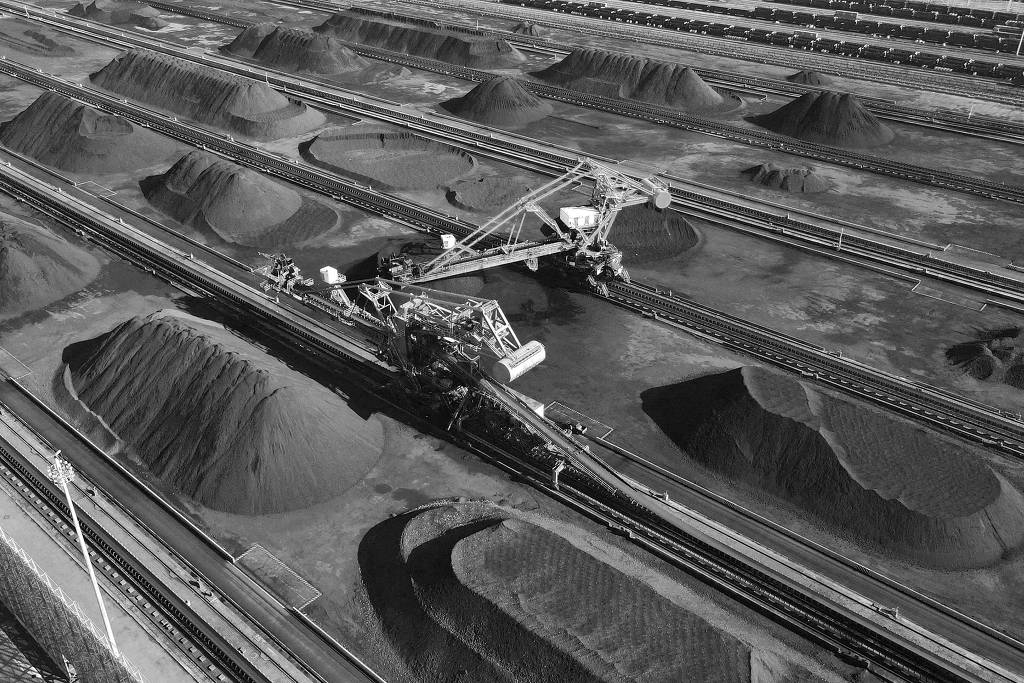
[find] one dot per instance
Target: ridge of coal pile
(888, 483)
(528, 28)
(499, 101)
(235, 203)
(294, 49)
(806, 77)
(827, 117)
(646, 234)
(66, 134)
(38, 267)
(420, 39)
(613, 74)
(504, 595)
(206, 95)
(788, 179)
(218, 419)
(119, 12)
(392, 158)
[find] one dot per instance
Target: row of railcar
(800, 39)
(903, 9)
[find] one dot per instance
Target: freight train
(844, 19)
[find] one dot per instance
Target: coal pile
(246, 106)
(481, 52)
(501, 595)
(294, 49)
(219, 420)
(234, 203)
(72, 136)
(500, 101)
(787, 179)
(829, 118)
(388, 158)
(612, 74)
(120, 12)
(38, 268)
(37, 41)
(528, 28)
(992, 354)
(645, 234)
(887, 483)
(487, 194)
(810, 78)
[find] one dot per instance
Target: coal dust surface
(827, 117)
(207, 95)
(234, 203)
(787, 179)
(218, 419)
(388, 158)
(613, 74)
(486, 194)
(477, 592)
(38, 267)
(421, 39)
(499, 101)
(892, 485)
(37, 40)
(66, 134)
(119, 12)
(294, 49)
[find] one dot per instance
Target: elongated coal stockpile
(827, 117)
(246, 106)
(294, 49)
(414, 38)
(787, 179)
(120, 12)
(499, 101)
(502, 594)
(890, 484)
(38, 267)
(613, 74)
(219, 420)
(234, 203)
(66, 134)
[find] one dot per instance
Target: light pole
(62, 474)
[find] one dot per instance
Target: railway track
(588, 485)
(676, 119)
(937, 407)
(206, 650)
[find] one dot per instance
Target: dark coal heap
(219, 420)
(613, 74)
(500, 101)
(234, 203)
(528, 28)
(413, 38)
(874, 477)
(294, 49)
(66, 134)
(810, 78)
(787, 179)
(246, 106)
(120, 12)
(829, 118)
